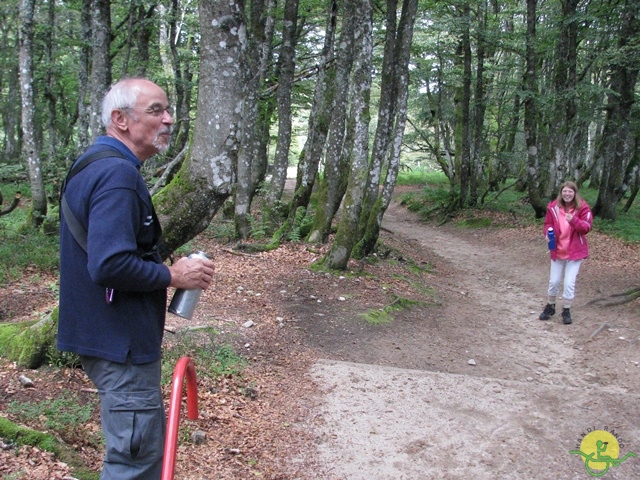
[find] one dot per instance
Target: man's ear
(119, 120)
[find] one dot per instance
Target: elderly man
(113, 283)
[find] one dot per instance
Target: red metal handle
(184, 367)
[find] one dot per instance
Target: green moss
(27, 343)
(19, 435)
(377, 317)
(179, 183)
(25, 436)
(385, 315)
(475, 222)
(9, 331)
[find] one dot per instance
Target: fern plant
(301, 223)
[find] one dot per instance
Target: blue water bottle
(552, 238)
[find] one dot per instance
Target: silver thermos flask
(184, 301)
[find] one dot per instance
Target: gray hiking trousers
(132, 416)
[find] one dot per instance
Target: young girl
(571, 219)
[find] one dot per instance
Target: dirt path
(479, 388)
(471, 386)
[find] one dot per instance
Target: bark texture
(347, 234)
(31, 151)
(530, 115)
(100, 62)
(333, 184)
(319, 119)
(286, 68)
(401, 55)
(614, 149)
(258, 55)
(206, 179)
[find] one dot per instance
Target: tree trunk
(11, 116)
(401, 72)
(266, 108)
(183, 80)
(100, 61)
(319, 120)
(635, 186)
(207, 177)
(285, 82)
(562, 121)
(478, 145)
(386, 110)
(333, 184)
(530, 115)
(615, 146)
(30, 146)
(464, 144)
(50, 81)
(84, 110)
(144, 32)
(258, 55)
(347, 234)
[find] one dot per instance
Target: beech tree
(530, 113)
(394, 116)
(356, 147)
(100, 78)
(251, 161)
(30, 144)
(333, 184)
(286, 72)
(616, 145)
(187, 204)
(319, 119)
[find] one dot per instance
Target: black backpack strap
(78, 166)
(77, 230)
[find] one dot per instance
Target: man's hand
(191, 273)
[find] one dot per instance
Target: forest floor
(465, 384)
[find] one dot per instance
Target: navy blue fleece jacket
(110, 199)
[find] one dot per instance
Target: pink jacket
(580, 225)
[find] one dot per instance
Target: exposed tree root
(618, 298)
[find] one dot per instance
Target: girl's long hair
(577, 199)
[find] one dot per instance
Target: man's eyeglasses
(154, 110)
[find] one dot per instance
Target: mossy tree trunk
(27, 343)
(258, 57)
(372, 215)
(319, 119)
(347, 234)
(207, 177)
(332, 186)
(286, 71)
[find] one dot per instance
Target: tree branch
(12, 206)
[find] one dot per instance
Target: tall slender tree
(347, 233)
(319, 118)
(286, 69)
(31, 150)
(563, 131)
(530, 113)
(615, 147)
(100, 78)
(333, 184)
(372, 217)
(84, 87)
